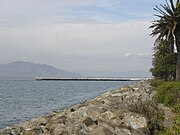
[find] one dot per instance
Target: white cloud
(144, 54)
(78, 47)
(90, 35)
(34, 12)
(127, 54)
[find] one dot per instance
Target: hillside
(28, 69)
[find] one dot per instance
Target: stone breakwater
(107, 114)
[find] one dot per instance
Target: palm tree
(167, 26)
(164, 61)
(161, 49)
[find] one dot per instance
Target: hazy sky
(84, 36)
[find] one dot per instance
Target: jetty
(87, 79)
(108, 114)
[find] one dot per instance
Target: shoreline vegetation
(127, 110)
(166, 64)
(168, 97)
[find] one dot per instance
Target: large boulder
(109, 117)
(135, 121)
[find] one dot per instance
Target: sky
(90, 37)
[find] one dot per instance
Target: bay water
(22, 99)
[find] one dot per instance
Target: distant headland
(29, 69)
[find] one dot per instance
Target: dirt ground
(168, 116)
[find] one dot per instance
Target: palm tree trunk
(171, 43)
(178, 59)
(178, 68)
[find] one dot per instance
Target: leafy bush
(156, 82)
(169, 94)
(164, 61)
(176, 107)
(175, 130)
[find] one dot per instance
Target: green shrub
(175, 130)
(168, 93)
(156, 82)
(176, 107)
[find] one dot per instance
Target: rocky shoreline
(107, 114)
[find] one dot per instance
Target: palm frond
(166, 25)
(168, 10)
(177, 4)
(159, 10)
(172, 5)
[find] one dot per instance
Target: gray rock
(57, 129)
(110, 117)
(122, 131)
(88, 121)
(12, 131)
(16, 130)
(84, 129)
(6, 131)
(141, 131)
(135, 121)
(100, 130)
(63, 119)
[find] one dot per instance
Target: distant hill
(28, 69)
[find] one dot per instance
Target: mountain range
(28, 69)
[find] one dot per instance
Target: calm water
(24, 98)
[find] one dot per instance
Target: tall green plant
(167, 26)
(164, 62)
